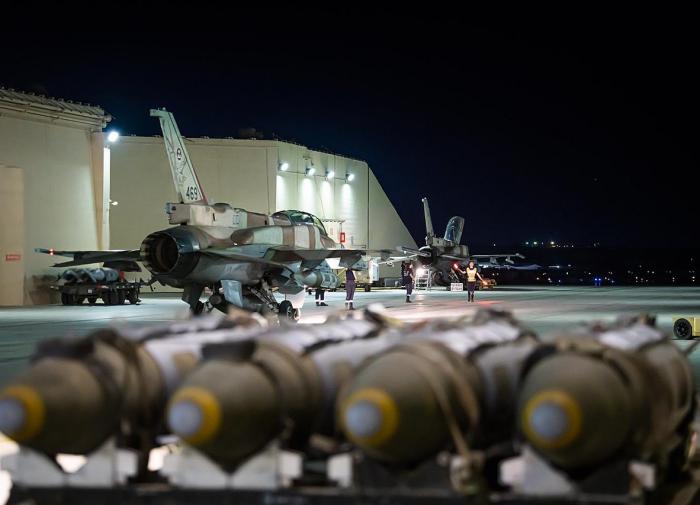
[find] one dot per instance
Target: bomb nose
(552, 419)
(370, 417)
(13, 415)
(21, 413)
(194, 415)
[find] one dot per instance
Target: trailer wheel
(92, 300)
(110, 298)
(368, 288)
(682, 329)
(133, 296)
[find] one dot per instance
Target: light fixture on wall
(329, 174)
(283, 166)
(349, 177)
(310, 170)
(113, 136)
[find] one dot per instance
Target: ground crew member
(408, 278)
(349, 288)
(472, 273)
(320, 297)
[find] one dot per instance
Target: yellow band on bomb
(35, 412)
(209, 408)
(568, 405)
(387, 408)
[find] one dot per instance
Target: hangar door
(11, 236)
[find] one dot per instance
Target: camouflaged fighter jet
(442, 254)
(243, 257)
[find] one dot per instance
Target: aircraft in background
(242, 257)
(442, 254)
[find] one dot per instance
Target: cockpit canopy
(454, 229)
(299, 217)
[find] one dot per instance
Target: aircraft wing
(88, 257)
(492, 257)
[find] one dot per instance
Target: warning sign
(13, 257)
(456, 286)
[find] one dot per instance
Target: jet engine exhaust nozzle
(170, 252)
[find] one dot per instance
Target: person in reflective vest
(471, 272)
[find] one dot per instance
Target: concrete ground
(544, 309)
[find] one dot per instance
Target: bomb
(606, 394)
(283, 384)
(79, 392)
(445, 385)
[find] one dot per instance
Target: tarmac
(544, 309)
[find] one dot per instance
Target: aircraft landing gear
(191, 296)
(287, 311)
(198, 308)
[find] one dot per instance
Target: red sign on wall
(342, 237)
(13, 257)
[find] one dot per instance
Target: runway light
(284, 166)
(113, 136)
(349, 177)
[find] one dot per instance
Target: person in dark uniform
(471, 273)
(320, 297)
(408, 277)
(349, 289)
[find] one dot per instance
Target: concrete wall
(11, 236)
(59, 204)
(230, 171)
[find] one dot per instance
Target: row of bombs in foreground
(399, 396)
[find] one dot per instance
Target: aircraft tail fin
(429, 232)
(455, 227)
(187, 185)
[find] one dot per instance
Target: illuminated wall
(60, 157)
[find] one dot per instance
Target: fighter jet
(442, 254)
(243, 257)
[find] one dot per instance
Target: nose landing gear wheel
(286, 311)
(198, 308)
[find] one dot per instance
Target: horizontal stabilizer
(88, 257)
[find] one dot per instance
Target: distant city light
(113, 136)
(284, 166)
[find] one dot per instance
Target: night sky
(579, 129)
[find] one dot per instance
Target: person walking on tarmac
(472, 273)
(321, 297)
(408, 277)
(349, 289)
